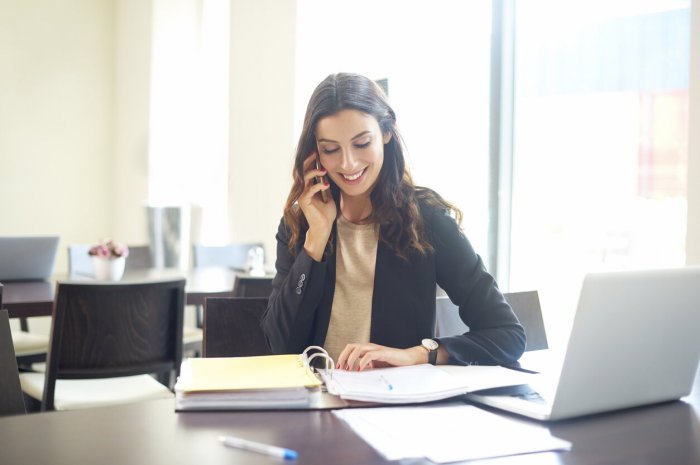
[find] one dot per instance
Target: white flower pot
(108, 269)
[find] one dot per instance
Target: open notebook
(417, 383)
(289, 382)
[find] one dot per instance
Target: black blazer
(403, 300)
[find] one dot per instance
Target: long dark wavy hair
(394, 197)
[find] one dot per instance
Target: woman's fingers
(347, 357)
(358, 357)
(351, 356)
(310, 174)
(310, 165)
(311, 191)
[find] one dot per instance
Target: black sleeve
(296, 293)
(495, 335)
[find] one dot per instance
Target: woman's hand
(319, 215)
(359, 357)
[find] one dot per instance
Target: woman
(357, 273)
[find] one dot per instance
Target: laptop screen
(27, 258)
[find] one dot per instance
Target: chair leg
(31, 405)
(200, 316)
(165, 378)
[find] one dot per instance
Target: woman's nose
(349, 162)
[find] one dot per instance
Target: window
(188, 152)
(600, 143)
(434, 57)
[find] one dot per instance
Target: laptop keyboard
(530, 397)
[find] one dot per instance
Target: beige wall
(132, 95)
(693, 230)
(56, 119)
(262, 138)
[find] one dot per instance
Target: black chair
(252, 286)
(111, 336)
(28, 347)
(526, 306)
(11, 401)
(232, 327)
(139, 258)
(234, 256)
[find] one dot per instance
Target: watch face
(429, 344)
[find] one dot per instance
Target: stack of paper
(417, 383)
(272, 381)
(453, 433)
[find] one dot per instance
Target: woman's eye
(363, 144)
(330, 150)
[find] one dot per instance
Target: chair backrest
(139, 258)
(11, 400)
(102, 330)
(79, 262)
(525, 305)
(230, 255)
(252, 286)
(232, 327)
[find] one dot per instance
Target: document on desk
(418, 383)
(267, 382)
(458, 432)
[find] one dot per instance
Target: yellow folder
(267, 372)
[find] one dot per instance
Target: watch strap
(432, 357)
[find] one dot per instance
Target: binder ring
(330, 364)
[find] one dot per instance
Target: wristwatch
(431, 345)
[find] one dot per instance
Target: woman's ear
(387, 137)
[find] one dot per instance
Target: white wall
(693, 230)
(262, 138)
(56, 119)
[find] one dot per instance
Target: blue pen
(258, 447)
(388, 384)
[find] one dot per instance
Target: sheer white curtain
(188, 147)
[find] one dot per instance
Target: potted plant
(108, 260)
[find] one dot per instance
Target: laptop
(634, 342)
(27, 258)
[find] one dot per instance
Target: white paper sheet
(447, 433)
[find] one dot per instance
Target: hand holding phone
(319, 179)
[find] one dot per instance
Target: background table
(152, 433)
(35, 298)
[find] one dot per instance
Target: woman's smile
(354, 178)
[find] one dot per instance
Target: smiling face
(351, 147)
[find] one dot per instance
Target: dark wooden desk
(30, 299)
(151, 433)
